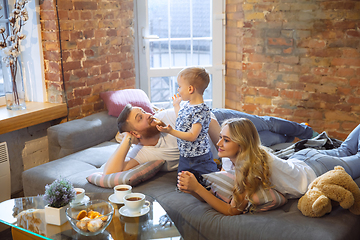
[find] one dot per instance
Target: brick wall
(97, 42)
(295, 59)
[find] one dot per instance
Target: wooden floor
(6, 234)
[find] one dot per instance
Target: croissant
(94, 225)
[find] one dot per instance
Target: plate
(125, 212)
(113, 199)
(83, 201)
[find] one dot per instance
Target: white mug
(80, 194)
(121, 190)
(134, 202)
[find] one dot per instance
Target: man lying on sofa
(140, 129)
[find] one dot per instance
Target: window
(162, 88)
(31, 53)
(174, 34)
(3, 23)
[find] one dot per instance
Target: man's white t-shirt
(166, 148)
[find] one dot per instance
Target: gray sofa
(78, 148)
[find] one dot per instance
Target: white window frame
(218, 61)
(3, 19)
(31, 55)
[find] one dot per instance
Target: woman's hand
(187, 182)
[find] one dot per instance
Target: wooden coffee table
(153, 225)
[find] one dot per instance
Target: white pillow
(222, 184)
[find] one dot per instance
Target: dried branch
(10, 44)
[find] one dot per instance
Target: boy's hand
(176, 100)
(166, 129)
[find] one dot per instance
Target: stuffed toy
(336, 185)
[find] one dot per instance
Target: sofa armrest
(79, 134)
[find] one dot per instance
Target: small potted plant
(58, 195)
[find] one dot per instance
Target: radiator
(5, 186)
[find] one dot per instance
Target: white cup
(80, 194)
(134, 202)
(121, 190)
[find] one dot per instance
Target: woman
(255, 167)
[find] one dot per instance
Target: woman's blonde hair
(251, 166)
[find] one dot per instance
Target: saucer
(125, 212)
(83, 201)
(113, 199)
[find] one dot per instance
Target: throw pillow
(131, 177)
(222, 184)
(115, 101)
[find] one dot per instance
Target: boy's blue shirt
(187, 116)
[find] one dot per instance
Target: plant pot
(14, 85)
(55, 216)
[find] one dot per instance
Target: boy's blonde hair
(198, 77)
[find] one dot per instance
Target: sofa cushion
(222, 184)
(80, 134)
(115, 101)
(132, 176)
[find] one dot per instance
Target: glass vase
(13, 85)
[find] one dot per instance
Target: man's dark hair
(122, 123)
